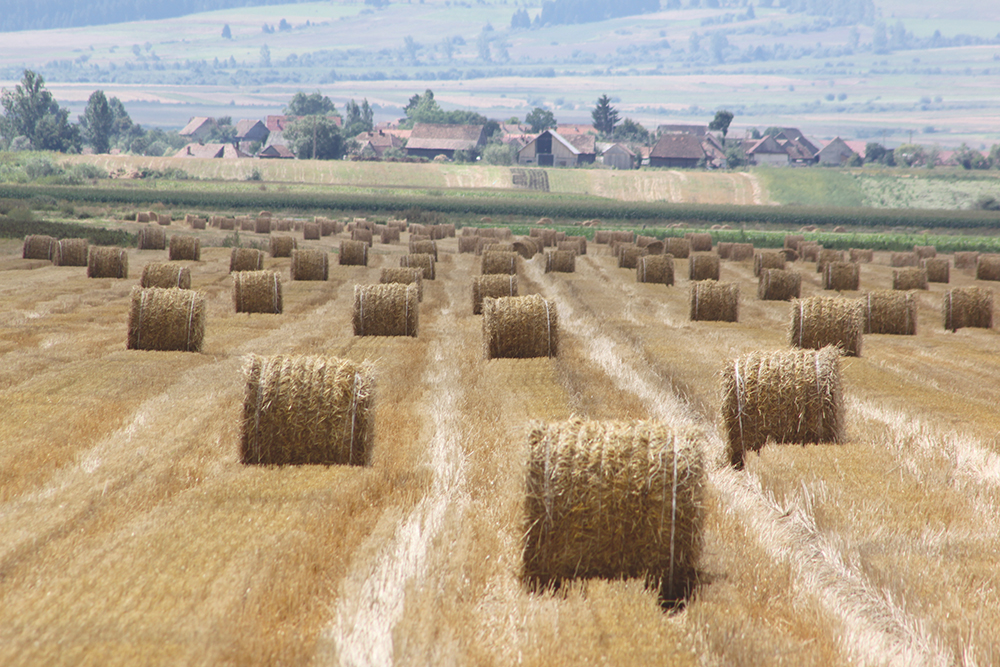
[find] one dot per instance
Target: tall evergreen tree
(97, 122)
(605, 116)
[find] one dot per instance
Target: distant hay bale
(629, 254)
(790, 255)
(282, 246)
(151, 238)
(520, 327)
(655, 269)
(544, 221)
(165, 275)
(414, 237)
(330, 227)
(965, 259)
(712, 301)
(265, 214)
(988, 267)
(741, 252)
(909, 278)
(227, 224)
(311, 231)
(788, 397)
(577, 243)
(199, 222)
(151, 215)
(257, 292)
(818, 321)
(938, 269)
(560, 236)
(842, 276)
(546, 236)
(560, 261)
(925, 251)
(526, 247)
(494, 261)
(779, 285)
(305, 410)
(700, 242)
(862, 255)
(184, 248)
(840, 229)
(353, 253)
(655, 248)
(622, 236)
(768, 259)
(492, 286)
(643, 241)
(809, 252)
(71, 252)
(389, 235)
(404, 276)
(142, 217)
(246, 259)
(678, 247)
(282, 225)
(244, 223)
(163, 219)
(107, 262)
(363, 235)
(890, 312)
(723, 248)
(419, 261)
(386, 310)
(614, 500)
(792, 241)
(470, 231)
(827, 256)
(39, 246)
(468, 244)
(901, 259)
(262, 225)
(967, 307)
(703, 266)
(424, 247)
(310, 264)
(602, 236)
(166, 319)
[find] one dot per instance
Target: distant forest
(556, 12)
(45, 14)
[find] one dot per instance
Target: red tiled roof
(431, 136)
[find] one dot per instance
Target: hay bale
(282, 225)
(655, 269)
(779, 285)
(386, 310)
(890, 312)
(560, 261)
(703, 266)
(491, 286)
(389, 235)
(629, 254)
(790, 255)
(311, 231)
(404, 276)
(967, 307)
(712, 301)
(71, 252)
(151, 238)
(988, 267)
(262, 226)
(107, 262)
(622, 236)
(842, 276)
(901, 259)
(965, 259)
(469, 244)
(142, 217)
(265, 214)
(602, 236)
(676, 246)
(163, 219)
(818, 321)
(257, 292)
(246, 259)
(809, 252)
(925, 251)
(614, 500)
(788, 397)
(198, 222)
(573, 246)
(827, 256)
(165, 275)
(470, 231)
(184, 248)
(862, 255)
(792, 241)
(526, 247)
(519, 327)
(226, 224)
(723, 248)
(768, 259)
(496, 246)
(547, 237)
(655, 248)
(643, 241)
(909, 278)
(495, 261)
(151, 216)
(741, 252)
(247, 224)
(353, 253)
(938, 269)
(166, 319)
(424, 247)
(419, 261)
(700, 242)
(282, 246)
(310, 264)
(363, 235)
(300, 410)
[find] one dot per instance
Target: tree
(721, 123)
(358, 118)
(499, 153)
(874, 152)
(226, 32)
(265, 56)
(630, 131)
(313, 104)
(735, 156)
(540, 119)
(912, 155)
(32, 112)
(315, 137)
(605, 116)
(971, 159)
(97, 122)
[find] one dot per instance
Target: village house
(767, 151)
(249, 132)
(429, 140)
(677, 150)
(377, 142)
(617, 156)
(837, 152)
(198, 128)
(549, 149)
(276, 152)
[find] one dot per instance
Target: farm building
(223, 151)
(428, 140)
(377, 142)
(250, 131)
(198, 128)
(276, 151)
(768, 151)
(617, 156)
(678, 150)
(836, 152)
(549, 149)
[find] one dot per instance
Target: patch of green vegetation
(811, 186)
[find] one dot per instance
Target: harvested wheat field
(131, 532)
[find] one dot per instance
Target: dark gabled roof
(794, 134)
(431, 136)
(678, 146)
(797, 150)
(197, 124)
(380, 139)
(586, 144)
(767, 145)
(276, 151)
(249, 129)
